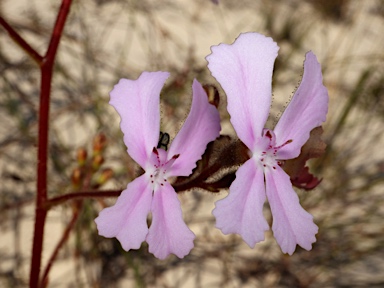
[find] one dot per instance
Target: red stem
(42, 154)
(81, 195)
(55, 201)
(21, 42)
(64, 238)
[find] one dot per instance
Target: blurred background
(104, 41)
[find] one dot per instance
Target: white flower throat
(265, 152)
(158, 168)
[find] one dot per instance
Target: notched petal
(307, 110)
(241, 212)
(127, 219)
(292, 225)
(201, 127)
(137, 102)
(244, 70)
(168, 232)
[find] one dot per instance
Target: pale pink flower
(137, 102)
(244, 70)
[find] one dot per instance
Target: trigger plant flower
(244, 70)
(137, 102)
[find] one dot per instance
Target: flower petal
(307, 110)
(168, 232)
(292, 225)
(127, 219)
(244, 70)
(241, 211)
(201, 127)
(137, 102)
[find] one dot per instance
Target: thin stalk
(81, 195)
(60, 244)
(21, 42)
(42, 154)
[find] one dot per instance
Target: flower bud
(77, 177)
(81, 156)
(99, 143)
(103, 177)
(97, 161)
(213, 94)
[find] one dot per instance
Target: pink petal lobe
(201, 127)
(244, 70)
(168, 232)
(292, 225)
(307, 110)
(137, 102)
(127, 219)
(241, 211)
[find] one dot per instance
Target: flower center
(265, 152)
(158, 177)
(158, 167)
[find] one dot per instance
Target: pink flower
(244, 70)
(137, 102)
